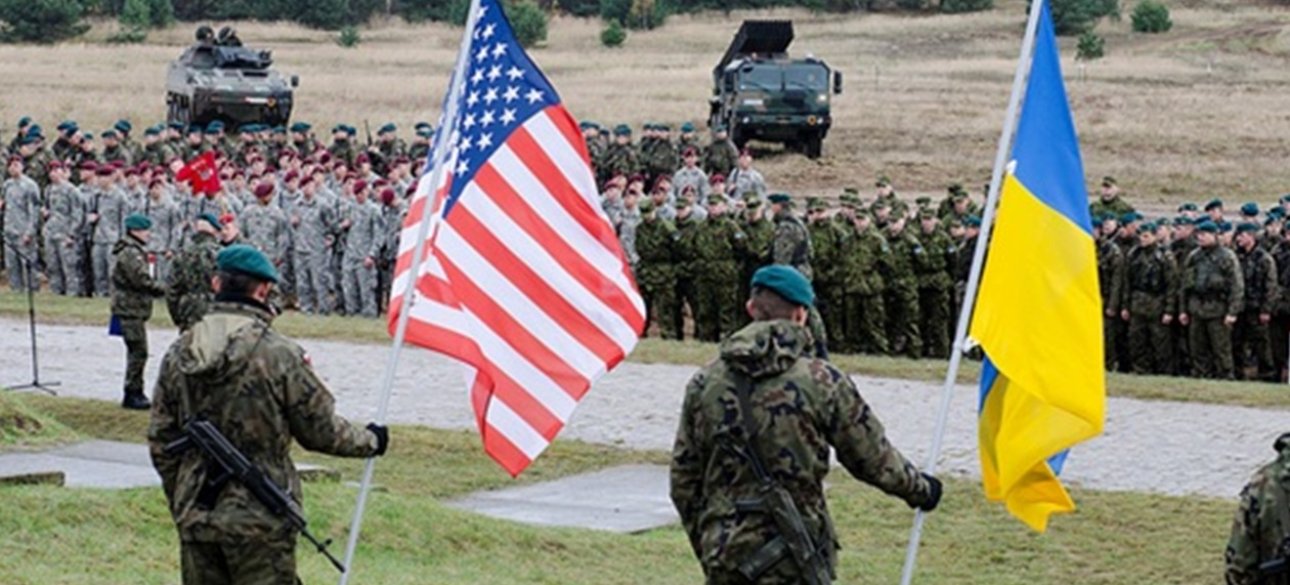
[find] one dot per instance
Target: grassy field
(56, 309)
(83, 537)
(1189, 114)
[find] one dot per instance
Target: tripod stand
(35, 384)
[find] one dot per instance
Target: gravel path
(1163, 447)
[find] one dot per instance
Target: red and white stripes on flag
(524, 281)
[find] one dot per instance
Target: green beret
(1207, 226)
(787, 282)
(663, 127)
(215, 127)
(1213, 204)
(424, 124)
(1250, 209)
(1130, 217)
(1276, 212)
(108, 134)
(687, 127)
(138, 221)
(152, 131)
(1247, 228)
(301, 127)
(1224, 226)
(585, 125)
(1150, 226)
(248, 260)
(212, 219)
(718, 128)
(176, 125)
(1188, 207)
(622, 130)
(279, 129)
(425, 132)
(1182, 220)
(388, 128)
(1285, 198)
(25, 120)
(123, 126)
(1272, 219)
(972, 221)
(780, 198)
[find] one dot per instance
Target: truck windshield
(767, 78)
(807, 77)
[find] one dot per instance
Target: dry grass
(1193, 113)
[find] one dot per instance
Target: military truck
(760, 93)
(217, 78)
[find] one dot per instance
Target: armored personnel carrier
(760, 93)
(219, 79)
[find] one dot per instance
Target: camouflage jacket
(1151, 282)
(21, 208)
(827, 241)
(655, 242)
(1212, 283)
(258, 388)
(760, 232)
(719, 239)
(620, 159)
(906, 253)
(791, 245)
(720, 157)
(133, 285)
(864, 258)
(266, 228)
(1262, 525)
(933, 268)
(1117, 207)
(1110, 273)
(188, 290)
(66, 212)
(1259, 272)
(801, 407)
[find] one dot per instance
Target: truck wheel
(813, 146)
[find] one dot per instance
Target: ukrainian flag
(1039, 313)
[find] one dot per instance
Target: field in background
(1194, 113)
(101, 537)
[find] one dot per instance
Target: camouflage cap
(246, 259)
(883, 181)
(851, 191)
(138, 221)
(645, 205)
(682, 203)
(716, 199)
(787, 282)
(752, 200)
(815, 204)
(1108, 181)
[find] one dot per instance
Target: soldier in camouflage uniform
(718, 246)
(225, 534)
(1110, 278)
(864, 259)
(362, 247)
(791, 245)
(827, 241)
(620, 157)
(64, 225)
(167, 226)
(759, 231)
(686, 253)
(188, 288)
(1110, 202)
(664, 157)
(720, 155)
(766, 399)
(901, 296)
(1213, 294)
(1180, 247)
(690, 175)
(1149, 305)
(1252, 347)
(314, 222)
(265, 226)
(656, 269)
(21, 207)
(132, 294)
(1261, 529)
(744, 179)
(885, 197)
(106, 209)
(932, 270)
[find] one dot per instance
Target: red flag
(523, 280)
(201, 174)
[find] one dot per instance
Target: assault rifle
(1280, 565)
(228, 463)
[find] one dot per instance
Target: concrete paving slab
(102, 464)
(624, 499)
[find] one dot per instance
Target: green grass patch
(22, 427)
(76, 311)
(76, 536)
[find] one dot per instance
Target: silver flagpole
(410, 291)
(974, 278)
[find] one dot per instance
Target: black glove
(382, 433)
(934, 489)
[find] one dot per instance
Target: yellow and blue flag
(1039, 312)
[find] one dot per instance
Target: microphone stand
(35, 384)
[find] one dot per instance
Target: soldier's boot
(135, 401)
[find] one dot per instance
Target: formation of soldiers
(1196, 294)
(327, 215)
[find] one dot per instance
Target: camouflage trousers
(1151, 344)
(1211, 347)
(63, 265)
(715, 301)
(358, 285)
(271, 562)
(20, 260)
(903, 335)
(1252, 347)
(686, 295)
(658, 289)
(865, 322)
(313, 283)
(104, 262)
(1111, 358)
(135, 334)
(1182, 350)
(1279, 332)
(831, 301)
(933, 312)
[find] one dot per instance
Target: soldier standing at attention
(226, 536)
(264, 225)
(719, 244)
(764, 413)
(745, 179)
(64, 225)
(656, 268)
(1110, 278)
(188, 288)
(620, 157)
(1110, 202)
(901, 298)
(132, 294)
(21, 208)
(690, 175)
(1261, 530)
(1250, 337)
(1150, 303)
(720, 155)
(760, 231)
(362, 248)
(934, 284)
(826, 262)
(1213, 294)
(864, 259)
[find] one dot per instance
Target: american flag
(523, 278)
